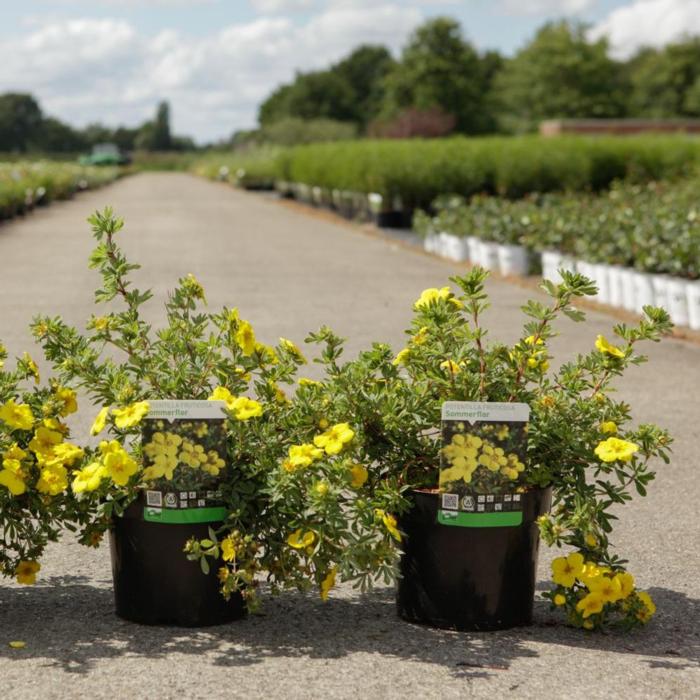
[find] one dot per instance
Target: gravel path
(289, 273)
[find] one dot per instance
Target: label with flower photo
(482, 459)
(184, 458)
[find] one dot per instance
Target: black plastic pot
(469, 578)
(155, 584)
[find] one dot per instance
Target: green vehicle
(105, 154)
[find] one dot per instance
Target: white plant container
(628, 297)
(660, 285)
(429, 242)
(600, 272)
(693, 293)
(615, 286)
(643, 290)
(474, 248)
(512, 260)
(488, 255)
(551, 261)
(678, 301)
(443, 243)
(454, 247)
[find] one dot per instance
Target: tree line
(441, 84)
(25, 128)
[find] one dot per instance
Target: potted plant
(281, 494)
(579, 447)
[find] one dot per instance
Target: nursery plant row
(25, 184)
(410, 174)
(640, 244)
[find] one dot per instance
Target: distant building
(557, 127)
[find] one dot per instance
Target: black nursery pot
(155, 584)
(469, 578)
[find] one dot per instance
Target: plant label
(184, 455)
(482, 459)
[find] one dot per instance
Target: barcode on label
(450, 501)
(154, 498)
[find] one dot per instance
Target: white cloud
(546, 7)
(648, 23)
(88, 70)
(281, 6)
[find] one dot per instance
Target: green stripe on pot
(184, 516)
(456, 519)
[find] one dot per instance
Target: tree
(20, 121)
(365, 71)
(315, 95)
(56, 137)
(559, 74)
(155, 135)
(439, 69)
(665, 82)
(162, 140)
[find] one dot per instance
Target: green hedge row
(24, 185)
(417, 171)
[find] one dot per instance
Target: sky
(215, 60)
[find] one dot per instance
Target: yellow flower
(131, 415)
(588, 624)
(609, 589)
(299, 541)
(192, 285)
(432, 295)
(99, 323)
(626, 581)
(450, 366)
(565, 570)
(221, 393)
(119, 466)
(390, 523)
(420, 337)
(303, 455)
(321, 489)
(614, 449)
(608, 427)
(591, 540)
(328, 583)
(359, 476)
(644, 615)
(228, 549)
(304, 381)
(266, 354)
(44, 441)
(10, 479)
(291, 347)
(17, 416)
(52, 480)
(245, 338)
(68, 398)
(334, 439)
(64, 454)
(559, 599)
(88, 478)
(100, 421)
(26, 572)
(590, 605)
(244, 408)
(401, 358)
(16, 644)
(31, 367)
(606, 348)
